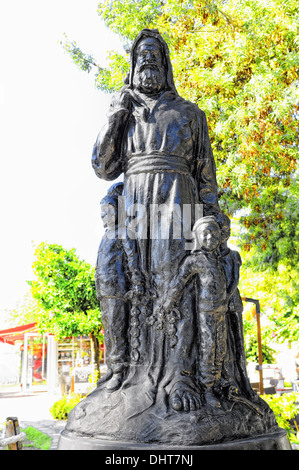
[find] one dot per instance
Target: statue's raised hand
(121, 101)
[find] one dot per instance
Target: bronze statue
(161, 143)
(166, 281)
(211, 305)
(117, 278)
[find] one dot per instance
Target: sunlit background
(50, 116)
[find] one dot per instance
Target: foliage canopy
(238, 61)
(64, 289)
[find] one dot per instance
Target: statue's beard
(149, 79)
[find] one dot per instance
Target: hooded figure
(154, 34)
(160, 142)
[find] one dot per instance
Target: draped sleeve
(187, 270)
(107, 158)
(205, 168)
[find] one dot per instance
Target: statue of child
(118, 280)
(235, 365)
(204, 263)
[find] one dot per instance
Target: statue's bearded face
(150, 71)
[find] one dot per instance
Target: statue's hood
(152, 33)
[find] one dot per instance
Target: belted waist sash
(156, 163)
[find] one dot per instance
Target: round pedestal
(277, 441)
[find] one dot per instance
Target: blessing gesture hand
(122, 100)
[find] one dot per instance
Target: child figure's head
(207, 234)
(109, 211)
(224, 224)
(109, 206)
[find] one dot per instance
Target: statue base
(132, 419)
(275, 441)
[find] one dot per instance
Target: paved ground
(31, 409)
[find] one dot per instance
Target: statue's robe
(163, 148)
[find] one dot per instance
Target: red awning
(11, 335)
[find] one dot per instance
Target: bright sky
(50, 115)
